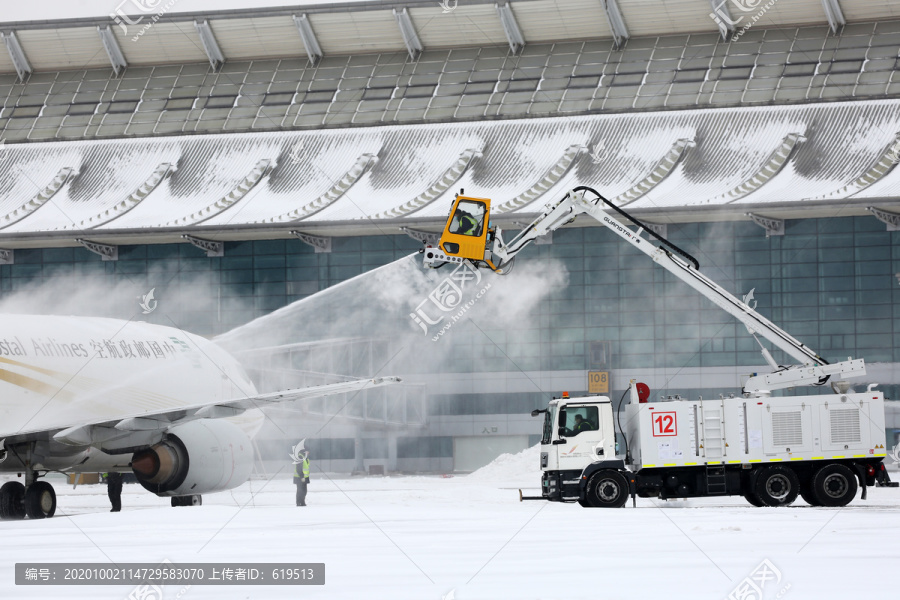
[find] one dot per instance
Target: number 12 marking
(664, 424)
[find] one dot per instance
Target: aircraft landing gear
(193, 500)
(37, 501)
(33, 499)
(40, 500)
(12, 500)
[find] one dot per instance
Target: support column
(360, 467)
(392, 454)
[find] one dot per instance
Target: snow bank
(511, 466)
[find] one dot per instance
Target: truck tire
(807, 494)
(777, 486)
(747, 489)
(834, 485)
(607, 489)
(750, 497)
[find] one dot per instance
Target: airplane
(93, 395)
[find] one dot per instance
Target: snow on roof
(711, 157)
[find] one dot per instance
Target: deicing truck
(770, 450)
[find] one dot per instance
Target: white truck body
(769, 450)
(744, 431)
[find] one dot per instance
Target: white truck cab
(578, 433)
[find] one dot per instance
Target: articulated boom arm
(813, 369)
(575, 204)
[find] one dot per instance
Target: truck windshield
(549, 420)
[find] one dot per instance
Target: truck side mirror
(561, 431)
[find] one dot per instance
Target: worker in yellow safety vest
(582, 424)
(464, 223)
(301, 477)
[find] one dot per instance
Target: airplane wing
(108, 431)
(311, 392)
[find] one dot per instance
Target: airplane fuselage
(58, 372)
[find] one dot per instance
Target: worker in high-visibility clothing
(301, 477)
(464, 223)
(582, 424)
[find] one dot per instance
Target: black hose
(619, 421)
(674, 248)
(507, 267)
(634, 220)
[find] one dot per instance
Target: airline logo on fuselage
(48, 347)
(12, 347)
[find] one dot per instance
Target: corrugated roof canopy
(813, 155)
(149, 38)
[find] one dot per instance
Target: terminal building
(269, 154)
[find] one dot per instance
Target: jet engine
(206, 455)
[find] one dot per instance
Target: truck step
(715, 480)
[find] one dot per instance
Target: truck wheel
(834, 485)
(777, 486)
(807, 494)
(607, 489)
(747, 491)
(750, 497)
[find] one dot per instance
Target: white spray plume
(174, 302)
(379, 303)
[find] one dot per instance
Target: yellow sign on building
(598, 382)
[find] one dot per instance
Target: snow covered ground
(424, 537)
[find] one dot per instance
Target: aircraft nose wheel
(40, 500)
(12, 500)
